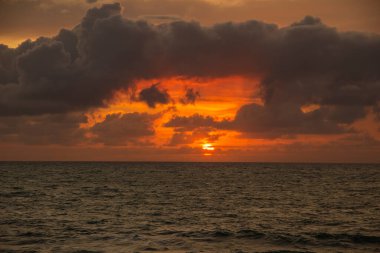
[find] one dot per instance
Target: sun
(208, 147)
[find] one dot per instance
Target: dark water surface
(189, 207)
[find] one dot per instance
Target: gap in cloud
(218, 98)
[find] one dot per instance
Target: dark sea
(86, 207)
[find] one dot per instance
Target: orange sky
(220, 98)
(219, 101)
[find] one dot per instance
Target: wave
(353, 238)
(286, 251)
(332, 240)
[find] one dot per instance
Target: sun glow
(208, 147)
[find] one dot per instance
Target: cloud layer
(306, 63)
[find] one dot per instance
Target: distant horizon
(125, 161)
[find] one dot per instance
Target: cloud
(275, 121)
(154, 95)
(376, 111)
(200, 134)
(287, 120)
(190, 96)
(188, 123)
(60, 129)
(121, 129)
(197, 127)
(65, 129)
(305, 63)
(77, 69)
(44, 17)
(160, 18)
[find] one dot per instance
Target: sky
(190, 80)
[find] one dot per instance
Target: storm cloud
(305, 63)
(190, 96)
(121, 129)
(153, 95)
(65, 129)
(189, 123)
(58, 129)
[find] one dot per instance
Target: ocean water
(189, 207)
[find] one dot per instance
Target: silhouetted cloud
(187, 123)
(190, 96)
(287, 119)
(284, 120)
(65, 129)
(161, 18)
(121, 129)
(305, 63)
(204, 134)
(154, 95)
(376, 111)
(61, 129)
(77, 69)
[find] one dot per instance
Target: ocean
(88, 207)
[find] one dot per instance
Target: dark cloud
(7, 69)
(154, 95)
(121, 129)
(305, 63)
(184, 137)
(160, 18)
(188, 129)
(287, 120)
(65, 129)
(188, 123)
(61, 129)
(69, 41)
(77, 69)
(376, 111)
(190, 96)
(91, 1)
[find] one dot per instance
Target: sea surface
(86, 207)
